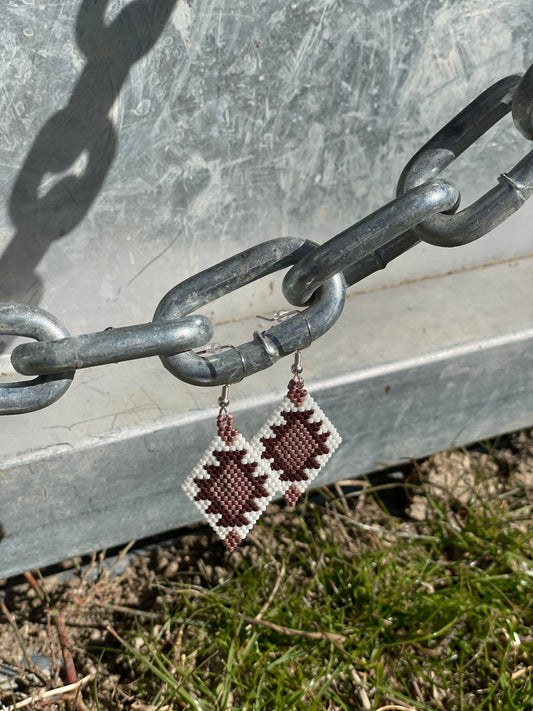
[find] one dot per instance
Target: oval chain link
(232, 365)
(27, 396)
(495, 206)
(317, 279)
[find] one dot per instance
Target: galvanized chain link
(22, 320)
(425, 209)
(523, 105)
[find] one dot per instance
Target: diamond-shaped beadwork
(231, 485)
(296, 441)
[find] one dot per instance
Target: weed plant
(338, 605)
(341, 606)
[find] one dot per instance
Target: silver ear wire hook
(278, 317)
(297, 368)
(223, 401)
(243, 364)
(269, 349)
(212, 349)
(308, 327)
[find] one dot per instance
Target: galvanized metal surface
(496, 205)
(228, 124)
(522, 105)
(21, 397)
(113, 472)
(424, 207)
(132, 158)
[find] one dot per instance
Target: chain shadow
(79, 136)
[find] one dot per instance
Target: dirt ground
(62, 625)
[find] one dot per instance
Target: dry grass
(339, 605)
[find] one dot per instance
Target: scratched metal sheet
(132, 157)
(142, 141)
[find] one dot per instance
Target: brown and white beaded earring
(298, 439)
(231, 485)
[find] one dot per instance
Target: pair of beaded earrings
(235, 480)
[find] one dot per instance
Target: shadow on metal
(79, 138)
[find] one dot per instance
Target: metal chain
(425, 209)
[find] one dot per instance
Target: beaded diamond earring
(231, 485)
(298, 439)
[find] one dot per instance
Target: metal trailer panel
(134, 154)
(409, 370)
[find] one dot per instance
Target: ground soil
(72, 617)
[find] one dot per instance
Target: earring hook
(213, 348)
(278, 317)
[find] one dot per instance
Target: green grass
(345, 607)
